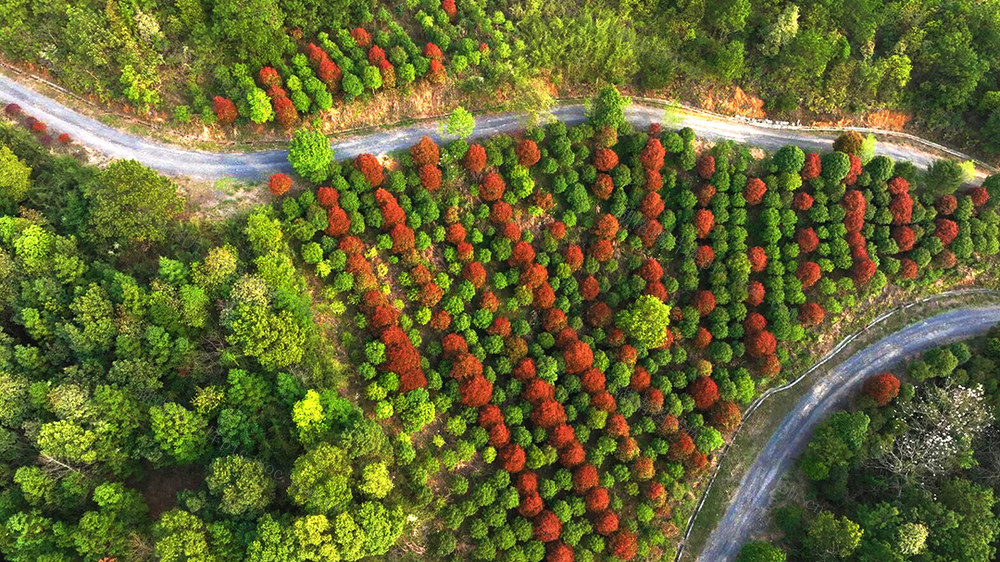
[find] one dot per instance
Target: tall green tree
(131, 204)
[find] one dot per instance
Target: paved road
(173, 160)
(748, 510)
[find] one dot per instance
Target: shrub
(279, 184)
(225, 110)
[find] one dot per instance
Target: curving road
(174, 160)
(748, 510)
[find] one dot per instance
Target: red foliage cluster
(651, 270)
(370, 166)
(854, 171)
(654, 181)
(284, 111)
(327, 197)
(475, 273)
(584, 478)
(531, 505)
(979, 196)
(652, 205)
(605, 159)
(706, 166)
(573, 257)
(437, 73)
(361, 37)
(279, 184)
(812, 167)
(650, 232)
(432, 51)
(403, 238)
(606, 227)
(475, 159)
(501, 212)
(704, 256)
(597, 500)
(338, 223)
(579, 357)
(704, 302)
(604, 186)
(476, 392)
(63, 138)
(802, 201)
(547, 526)
(430, 177)
(705, 194)
(426, 152)
(946, 230)
(523, 255)
(268, 76)
(854, 210)
(758, 259)
(946, 205)
(681, 447)
(908, 268)
(12, 110)
(726, 415)
(651, 156)
(527, 153)
(590, 288)
(511, 457)
(224, 110)
(449, 8)
(756, 188)
(807, 239)
(761, 344)
(946, 259)
(754, 322)
(704, 220)
(755, 293)
(863, 271)
(901, 208)
(602, 250)
(557, 552)
(904, 237)
(882, 388)
(704, 391)
(811, 313)
(606, 523)
(809, 273)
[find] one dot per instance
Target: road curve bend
(747, 512)
(173, 160)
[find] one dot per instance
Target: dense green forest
(527, 348)
(909, 472)
(936, 59)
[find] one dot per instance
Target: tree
(225, 110)
(375, 480)
(460, 123)
(261, 110)
(242, 485)
(132, 204)
(253, 28)
(608, 109)
(882, 388)
(320, 480)
(15, 177)
(646, 321)
(181, 536)
(782, 31)
(279, 184)
(179, 431)
(830, 537)
(704, 391)
(944, 177)
(760, 551)
(310, 154)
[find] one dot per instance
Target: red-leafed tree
(527, 483)
(651, 270)
(807, 239)
(681, 446)
(863, 271)
(701, 338)
(704, 220)
(602, 250)
(979, 196)
(704, 391)
(605, 159)
(558, 551)
(537, 391)
(812, 167)
(754, 322)
(901, 208)
(811, 313)
(946, 230)
(761, 343)
(756, 188)
(338, 223)
(531, 505)
(361, 37)
(606, 523)
(224, 110)
(437, 73)
(522, 255)
(652, 205)
(476, 391)
(512, 458)
(475, 273)
(561, 436)
(604, 186)
(584, 478)
(573, 257)
(547, 526)
(704, 256)
(650, 232)
(705, 194)
(329, 73)
(651, 156)
(501, 212)
(946, 205)
(592, 380)
(726, 415)
(802, 201)
(606, 226)
(279, 184)
(548, 413)
(285, 112)
(527, 153)
(640, 379)
(758, 259)
(809, 273)
(268, 77)
(597, 500)
(430, 177)
(572, 455)
(475, 159)
(490, 415)
(63, 138)
(425, 152)
(882, 388)
(706, 166)
(327, 197)
(704, 302)
(432, 51)
(371, 168)
(590, 288)
(908, 268)
(403, 238)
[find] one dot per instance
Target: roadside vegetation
(256, 61)
(527, 348)
(908, 472)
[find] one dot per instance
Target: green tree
(829, 538)
(646, 321)
(260, 106)
(460, 123)
(181, 537)
(608, 109)
(944, 177)
(179, 431)
(782, 31)
(310, 154)
(15, 177)
(760, 551)
(375, 480)
(243, 485)
(253, 28)
(130, 203)
(321, 480)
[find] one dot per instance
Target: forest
(523, 347)
(262, 61)
(908, 472)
